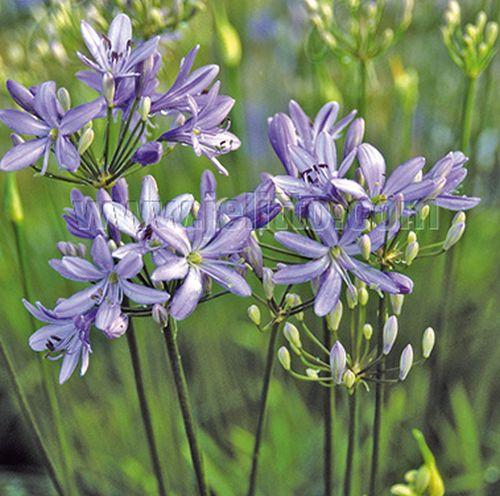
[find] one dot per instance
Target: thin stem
(145, 411)
(30, 421)
(109, 116)
(467, 113)
(363, 78)
(252, 482)
(351, 443)
(378, 399)
(170, 334)
(328, 412)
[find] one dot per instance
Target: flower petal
(77, 117)
(94, 44)
(142, 294)
(122, 218)
(323, 224)
(23, 123)
(301, 244)
(174, 268)
(231, 238)
(66, 154)
(106, 315)
(46, 104)
(293, 274)
(373, 167)
(150, 199)
(120, 33)
(101, 254)
(227, 277)
(78, 303)
(186, 298)
(403, 175)
(23, 155)
(173, 234)
(39, 339)
(328, 293)
(178, 208)
(129, 266)
(454, 202)
(76, 269)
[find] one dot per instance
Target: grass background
(223, 353)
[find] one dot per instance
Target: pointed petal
(150, 199)
(178, 208)
(174, 268)
(328, 293)
(231, 238)
(46, 104)
(23, 123)
(120, 33)
(325, 119)
(142, 52)
(39, 339)
(129, 266)
(101, 254)
(69, 363)
(142, 294)
(76, 269)
(106, 315)
(94, 44)
(293, 274)
(78, 303)
(301, 244)
(323, 224)
(226, 277)
(23, 155)
(186, 298)
(173, 234)
(373, 166)
(403, 175)
(453, 202)
(77, 117)
(66, 154)
(122, 218)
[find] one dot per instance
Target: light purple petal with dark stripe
(150, 199)
(21, 95)
(226, 277)
(142, 294)
(46, 104)
(328, 293)
(174, 268)
(76, 269)
(186, 298)
(173, 234)
(77, 117)
(373, 167)
(301, 244)
(129, 266)
(120, 33)
(231, 238)
(294, 274)
(23, 123)
(403, 175)
(66, 154)
(322, 223)
(106, 315)
(122, 218)
(94, 44)
(452, 202)
(23, 155)
(79, 303)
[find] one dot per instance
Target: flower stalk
(328, 415)
(144, 406)
(170, 335)
(351, 446)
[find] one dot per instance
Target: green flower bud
(458, 218)
(402, 490)
(363, 297)
(422, 479)
(292, 335)
(390, 333)
(352, 297)
(365, 245)
(411, 252)
(491, 33)
(253, 312)
(145, 108)
(412, 237)
(349, 378)
(267, 283)
(284, 357)
(64, 98)
(397, 301)
(195, 208)
(367, 331)
(335, 316)
(428, 341)
(312, 373)
(453, 235)
(424, 212)
(86, 140)
(228, 38)
(405, 362)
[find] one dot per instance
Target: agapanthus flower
(332, 259)
(449, 173)
(49, 123)
(112, 53)
(199, 253)
(111, 281)
(83, 220)
(205, 130)
(141, 231)
(64, 337)
(309, 154)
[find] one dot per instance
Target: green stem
(109, 116)
(377, 417)
(30, 421)
(252, 482)
(363, 79)
(467, 113)
(145, 411)
(351, 443)
(170, 334)
(328, 412)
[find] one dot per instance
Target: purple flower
(113, 54)
(332, 260)
(145, 240)
(194, 84)
(52, 127)
(84, 219)
(149, 153)
(204, 130)
(200, 253)
(449, 173)
(64, 337)
(110, 283)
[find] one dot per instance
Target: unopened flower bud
(422, 479)
(67, 249)
(402, 490)
(112, 245)
(359, 177)
(312, 373)
(354, 138)
(108, 88)
(428, 341)
(338, 212)
(335, 316)
(367, 331)
(253, 312)
(86, 140)
(458, 218)
(351, 297)
(454, 234)
(424, 212)
(365, 245)
(148, 154)
(159, 314)
(195, 208)
(145, 108)
(292, 335)
(349, 378)
(338, 362)
(411, 252)
(405, 362)
(363, 297)
(64, 98)
(491, 33)
(267, 282)
(284, 357)
(390, 334)
(396, 303)
(13, 205)
(412, 237)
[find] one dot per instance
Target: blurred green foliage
(414, 105)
